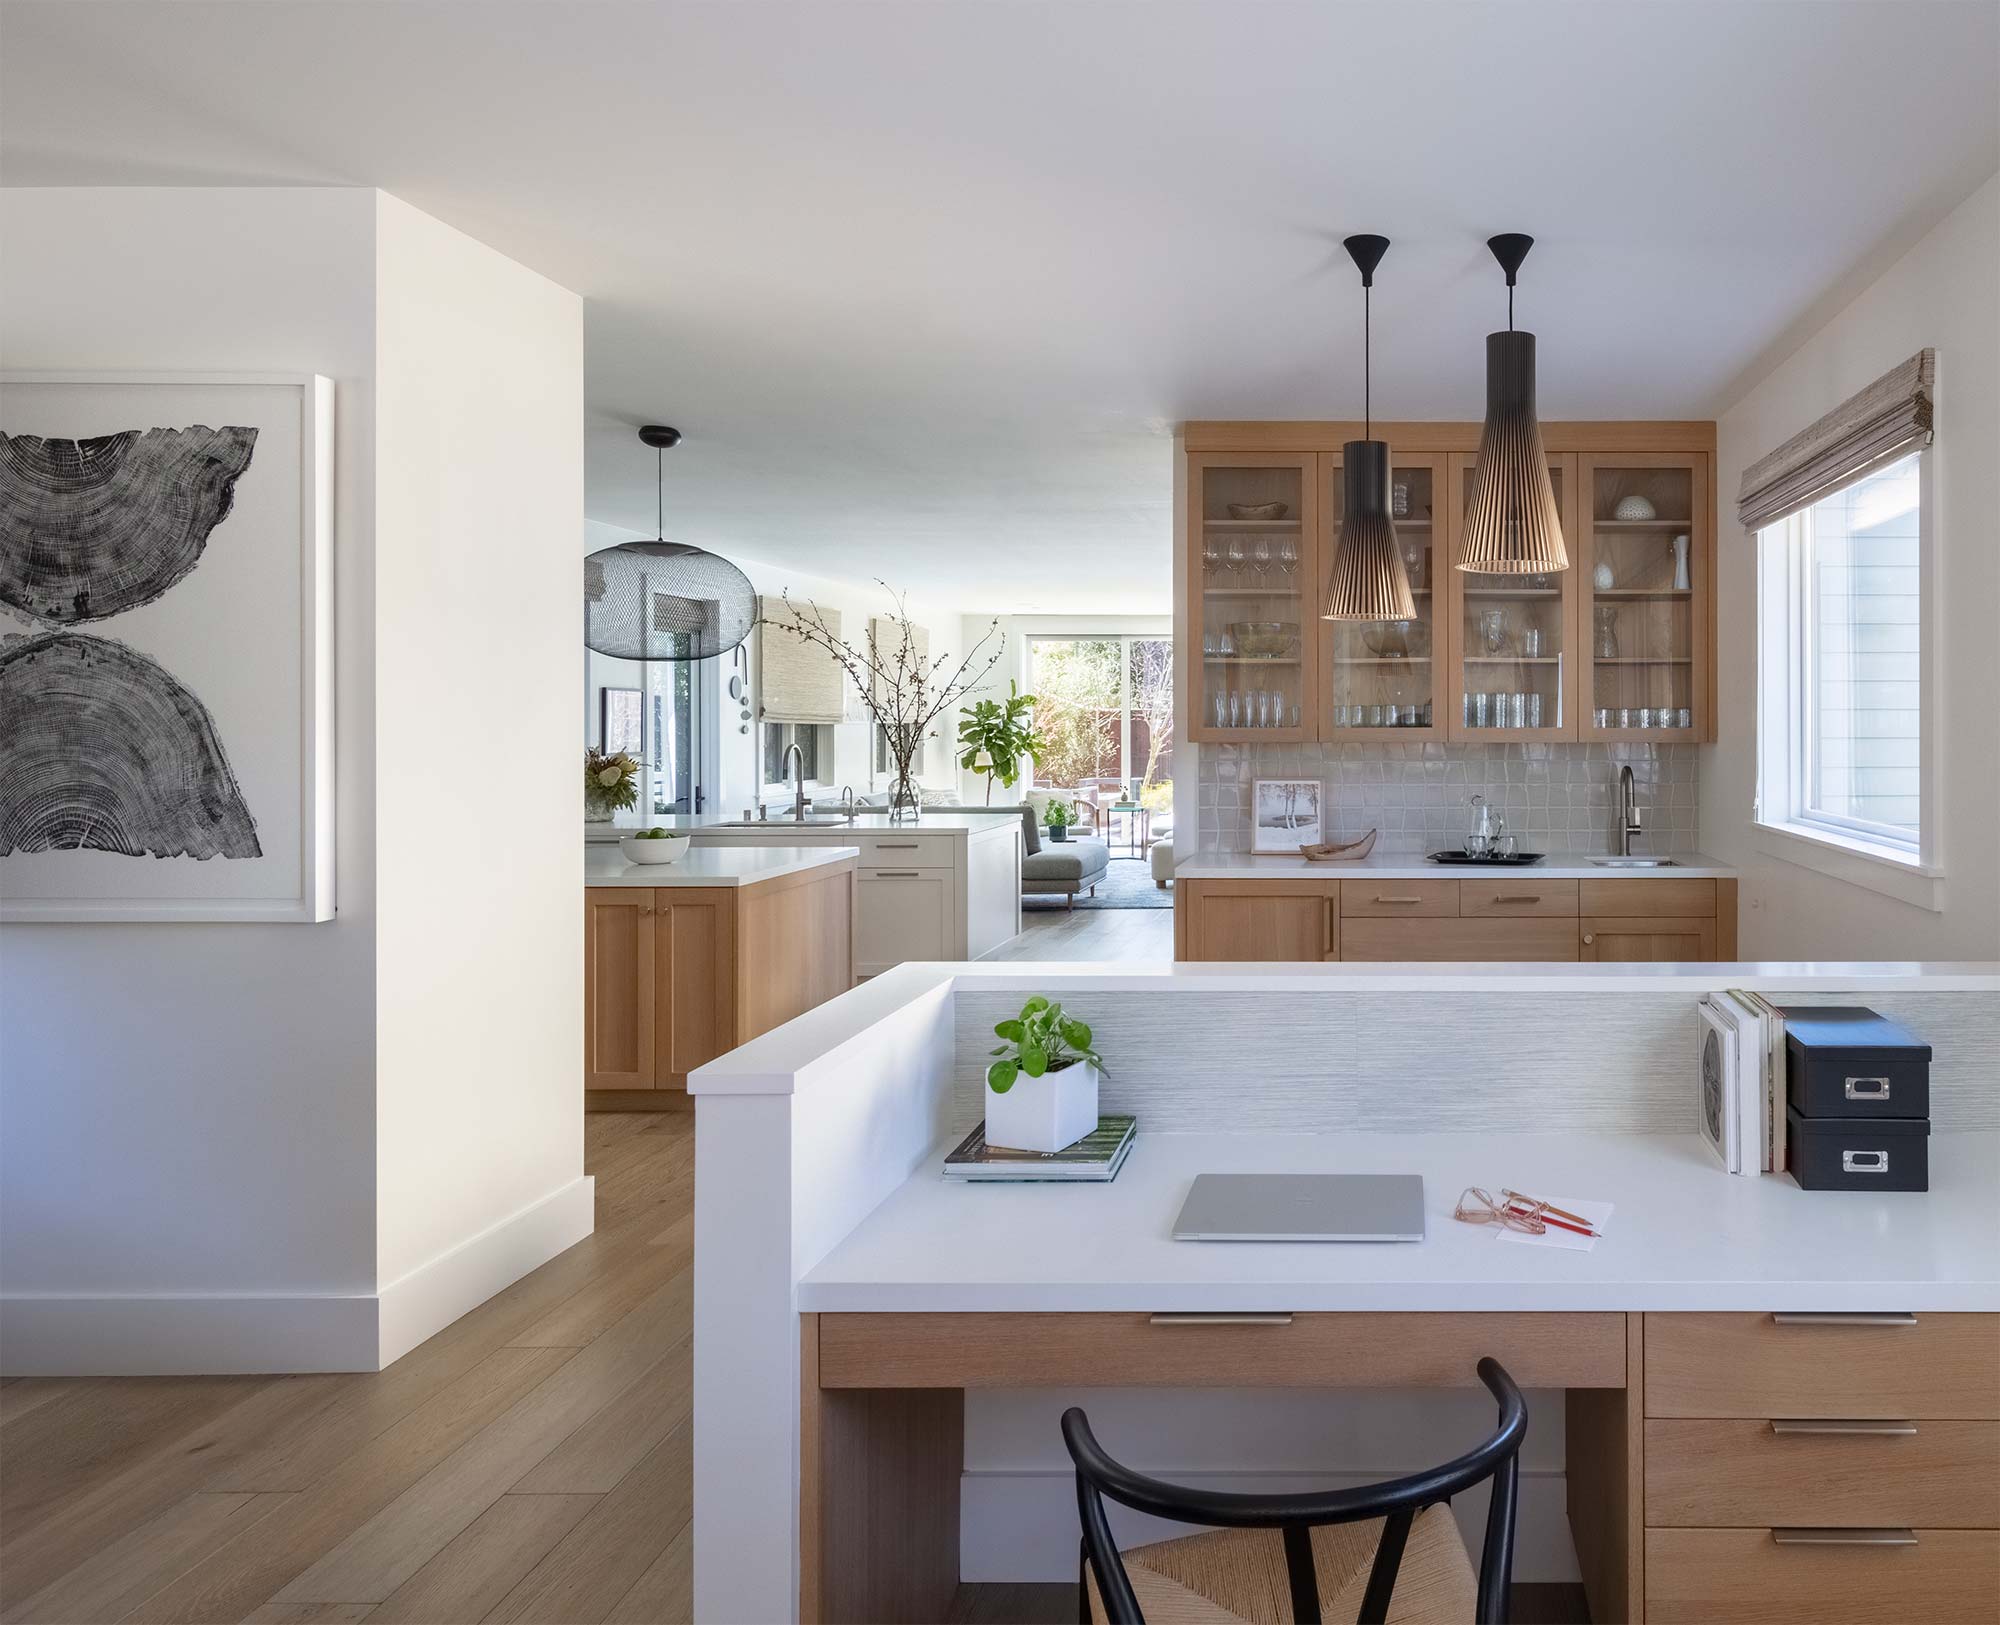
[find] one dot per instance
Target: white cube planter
(1048, 1113)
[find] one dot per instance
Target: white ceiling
(927, 284)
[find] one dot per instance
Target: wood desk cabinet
(1490, 919)
(677, 975)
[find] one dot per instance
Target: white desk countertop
(1413, 866)
(1685, 1235)
(737, 865)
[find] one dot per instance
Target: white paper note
(1598, 1213)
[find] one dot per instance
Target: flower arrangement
(610, 783)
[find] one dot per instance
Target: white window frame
(815, 787)
(1124, 640)
(1877, 857)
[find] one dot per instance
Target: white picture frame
(1285, 814)
(252, 642)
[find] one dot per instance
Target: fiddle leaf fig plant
(1041, 1039)
(1004, 732)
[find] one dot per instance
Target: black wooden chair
(1275, 1557)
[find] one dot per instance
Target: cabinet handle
(1822, 1425)
(1844, 1537)
(896, 874)
(1327, 918)
(1399, 899)
(647, 909)
(1220, 1318)
(1589, 937)
(1520, 897)
(1884, 1317)
(895, 846)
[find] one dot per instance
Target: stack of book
(1096, 1158)
(1743, 1100)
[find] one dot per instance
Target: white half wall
(1945, 294)
(479, 984)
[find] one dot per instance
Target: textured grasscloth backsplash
(1555, 797)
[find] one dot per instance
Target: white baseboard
(1021, 1526)
(429, 1298)
(248, 1334)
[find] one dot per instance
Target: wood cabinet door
(1656, 939)
(695, 980)
(1262, 921)
(618, 988)
(903, 914)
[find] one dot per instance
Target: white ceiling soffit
(927, 284)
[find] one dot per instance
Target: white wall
(479, 490)
(1945, 293)
(223, 1142)
(190, 1108)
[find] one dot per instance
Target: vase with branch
(904, 690)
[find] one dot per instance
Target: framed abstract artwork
(621, 721)
(166, 647)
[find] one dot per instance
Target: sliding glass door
(1104, 707)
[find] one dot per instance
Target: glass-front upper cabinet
(1511, 675)
(1644, 575)
(1254, 582)
(1378, 679)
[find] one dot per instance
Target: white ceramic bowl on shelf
(656, 849)
(1634, 507)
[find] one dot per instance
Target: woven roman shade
(797, 681)
(891, 634)
(1889, 419)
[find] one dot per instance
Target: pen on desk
(1547, 1216)
(1544, 1208)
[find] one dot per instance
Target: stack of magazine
(1096, 1158)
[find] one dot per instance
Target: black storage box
(1845, 1061)
(1858, 1153)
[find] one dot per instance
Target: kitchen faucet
(1628, 812)
(797, 759)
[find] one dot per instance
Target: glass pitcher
(1484, 829)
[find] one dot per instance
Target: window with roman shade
(797, 681)
(1888, 420)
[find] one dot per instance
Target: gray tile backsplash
(1555, 797)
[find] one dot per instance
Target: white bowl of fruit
(653, 846)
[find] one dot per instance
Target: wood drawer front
(1754, 1366)
(1944, 1476)
(1523, 896)
(1398, 899)
(1744, 1577)
(892, 850)
(1585, 1350)
(1534, 940)
(1649, 898)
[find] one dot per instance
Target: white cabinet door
(902, 914)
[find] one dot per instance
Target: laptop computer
(1303, 1207)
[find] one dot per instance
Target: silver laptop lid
(1303, 1207)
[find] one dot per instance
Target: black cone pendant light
(1368, 582)
(663, 600)
(1511, 523)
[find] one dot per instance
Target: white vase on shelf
(1602, 578)
(1682, 583)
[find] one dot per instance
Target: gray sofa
(1057, 868)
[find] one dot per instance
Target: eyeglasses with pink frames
(1476, 1206)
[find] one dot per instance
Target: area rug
(1127, 883)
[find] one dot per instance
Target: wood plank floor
(1091, 934)
(530, 1462)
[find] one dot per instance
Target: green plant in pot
(997, 738)
(1058, 815)
(1041, 1090)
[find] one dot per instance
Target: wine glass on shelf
(1211, 555)
(1288, 557)
(1233, 557)
(1263, 555)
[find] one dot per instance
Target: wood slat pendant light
(1512, 526)
(1368, 581)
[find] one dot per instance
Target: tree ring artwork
(157, 607)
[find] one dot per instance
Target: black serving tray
(1520, 860)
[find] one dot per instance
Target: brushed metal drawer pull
(1858, 1318)
(1399, 899)
(1219, 1318)
(1844, 1537)
(1827, 1425)
(896, 874)
(895, 846)
(1867, 1088)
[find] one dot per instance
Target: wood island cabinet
(1516, 918)
(674, 976)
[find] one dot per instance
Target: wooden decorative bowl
(1340, 852)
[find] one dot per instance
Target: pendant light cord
(660, 488)
(1510, 304)
(1367, 363)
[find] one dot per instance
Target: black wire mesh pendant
(663, 600)
(1512, 525)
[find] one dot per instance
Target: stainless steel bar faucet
(1628, 812)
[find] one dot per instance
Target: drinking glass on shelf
(1624, 718)
(1228, 645)
(1601, 716)
(1409, 716)
(1375, 718)
(1479, 709)
(1221, 711)
(1535, 709)
(1235, 709)
(1233, 557)
(1288, 557)
(1517, 710)
(1211, 554)
(1297, 713)
(1263, 708)
(1493, 631)
(1684, 718)
(1263, 556)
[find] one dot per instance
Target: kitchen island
(1671, 907)
(683, 961)
(945, 887)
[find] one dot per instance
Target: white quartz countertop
(712, 865)
(956, 822)
(1684, 1235)
(1406, 866)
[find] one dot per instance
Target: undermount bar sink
(1635, 863)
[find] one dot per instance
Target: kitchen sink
(785, 823)
(1635, 863)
